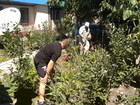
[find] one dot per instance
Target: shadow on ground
(1, 46)
(4, 96)
(136, 82)
(24, 96)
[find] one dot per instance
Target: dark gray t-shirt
(51, 51)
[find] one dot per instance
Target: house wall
(41, 15)
(37, 15)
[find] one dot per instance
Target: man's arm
(81, 32)
(49, 68)
(51, 63)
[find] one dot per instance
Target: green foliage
(124, 52)
(82, 10)
(120, 12)
(3, 56)
(66, 89)
(95, 73)
(124, 41)
(8, 82)
(56, 3)
(23, 74)
(135, 34)
(67, 28)
(13, 44)
(86, 81)
(37, 39)
(75, 12)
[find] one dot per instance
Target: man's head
(86, 24)
(65, 43)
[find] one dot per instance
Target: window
(24, 16)
(55, 14)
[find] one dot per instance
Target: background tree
(82, 10)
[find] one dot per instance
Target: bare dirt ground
(123, 92)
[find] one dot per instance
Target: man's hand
(48, 70)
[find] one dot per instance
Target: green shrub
(86, 81)
(124, 53)
(13, 44)
(24, 75)
(38, 39)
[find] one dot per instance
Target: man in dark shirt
(44, 62)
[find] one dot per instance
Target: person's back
(51, 51)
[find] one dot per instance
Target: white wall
(41, 15)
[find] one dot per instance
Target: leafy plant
(23, 75)
(95, 74)
(124, 53)
(37, 39)
(13, 44)
(87, 81)
(122, 13)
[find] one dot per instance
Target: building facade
(34, 13)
